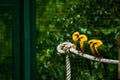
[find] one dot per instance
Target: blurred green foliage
(56, 21)
(6, 63)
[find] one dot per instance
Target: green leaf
(107, 31)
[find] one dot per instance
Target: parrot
(75, 38)
(97, 48)
(91, 42)
(101, 50)
(84, 47)
(83, 41)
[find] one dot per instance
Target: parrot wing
(104, 51)
(87, 47)
(77, 45)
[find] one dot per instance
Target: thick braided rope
(68, 68)
(66, 47)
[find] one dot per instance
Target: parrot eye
(95, 43)
(91, 42)
(77, 35)
(81, 37)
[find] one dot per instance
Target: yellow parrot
(83, 42)
(96, 46)
(84, 47)
(99, 50)
(91, 42)
(75, 38)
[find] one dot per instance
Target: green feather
(104, 51)
(77, 45)
(87, 47)
(88, 51)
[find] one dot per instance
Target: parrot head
(98, 43)
(91, 42)
(75, 36)
(83, 37)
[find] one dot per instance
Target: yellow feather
(75, 36)
(83, 38)
(97, 43)
(91, 42)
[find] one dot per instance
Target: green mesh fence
(56, 20)
(6, 56)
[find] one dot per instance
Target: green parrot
(91, 42)
(84, 47)
(83, 40)
(100, 49)
(84, 44)
(75, 38)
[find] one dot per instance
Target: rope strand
(68, 68)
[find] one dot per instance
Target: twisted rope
(68, 68)
(66, 47)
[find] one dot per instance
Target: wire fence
(6, 56)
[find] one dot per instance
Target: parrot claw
(79, 51)
(100, 57)
(82, 54)
(95, 57)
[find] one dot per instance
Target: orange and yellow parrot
(91, 42)
(83, 42)
(97, 44)
(75, 38)
(84, 47)
(101, 49)
(98, 48)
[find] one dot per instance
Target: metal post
(118, 43)
(16, 41)
(27, 45)
(29, 40)
(33, 38)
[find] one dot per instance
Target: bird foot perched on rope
(67, 47)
